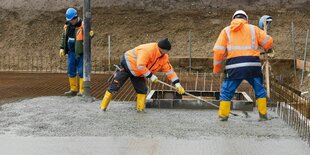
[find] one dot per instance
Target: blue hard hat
(262, 19)
(70, 14)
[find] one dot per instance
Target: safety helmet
(262, 19)
(70, 14)
(240, 12)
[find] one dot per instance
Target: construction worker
(239, 44)
(264, 19)
(72, 44)
(140, 63)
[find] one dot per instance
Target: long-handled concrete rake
(206, 101)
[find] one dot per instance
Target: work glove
(91, 34)
(154, 78)
(61, 53)
(267, 51)
(270, 50)
(180, 89)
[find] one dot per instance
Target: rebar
(292, 108)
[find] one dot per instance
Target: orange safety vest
(146, 59)
(239, 43)
(78, 39)
(79, 31)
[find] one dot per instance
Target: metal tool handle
(168, 85)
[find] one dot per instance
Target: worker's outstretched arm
(264, 40)
(219, 50)
(172, 76)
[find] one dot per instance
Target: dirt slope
(33, 27)
(55, 5)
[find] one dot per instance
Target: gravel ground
(46, 118)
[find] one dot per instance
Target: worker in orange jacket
(239, 43)
(140, 63)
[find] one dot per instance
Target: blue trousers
(75, 65)
(229, 87)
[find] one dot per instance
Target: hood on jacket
(237, 24)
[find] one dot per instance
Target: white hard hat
(240, 12)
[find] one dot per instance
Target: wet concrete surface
(149, 146)
(61, 125)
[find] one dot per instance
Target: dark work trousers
(121, 77)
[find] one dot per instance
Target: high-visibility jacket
(239, 44)
(146, 59)
(77, 39)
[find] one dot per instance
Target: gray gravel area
(50, 117)
(62, 116)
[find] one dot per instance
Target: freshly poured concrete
(61, 125)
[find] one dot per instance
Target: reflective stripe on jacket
(239, 43)
(146, 59)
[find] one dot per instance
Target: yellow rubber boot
(224, 110)
(262, 108)
(141, 98)
(106, 100)
(73, 87)
(81, 87)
